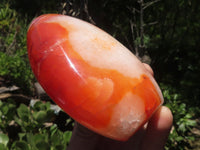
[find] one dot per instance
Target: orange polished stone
(91, 76)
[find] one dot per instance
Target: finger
(148, 68)
(158, 130)
(83, 139)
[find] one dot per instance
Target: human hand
(151, 137)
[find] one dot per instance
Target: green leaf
(20, 145)
(4, 139)
(40, 116)
(43, 145)
(191, 138)
(21, 136)
(182, 127)
(56, 138)
(30, 140)
(37, 105)
(5, 109)
(50, 114)
(53, 129)
(41, 106)
(179, 138)
(188, 116)
(67, 136)
(11, 111)
(40, 138)
(1, 103)
(3, 147)
(191, 123)
(23, 113)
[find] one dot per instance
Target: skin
(152, 136)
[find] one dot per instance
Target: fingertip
(158, 129)
(149, 69)
(167, 117)
(162, 119)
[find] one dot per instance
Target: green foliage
(34, 117)
(7, 111)
(184, 121)
(14, 64)
(36, 129)
(146, 41)
(3, 140)
(51, 138)
(175, 46)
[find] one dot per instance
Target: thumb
(158, 129)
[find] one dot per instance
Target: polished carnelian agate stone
(91, 76)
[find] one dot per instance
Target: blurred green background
(164, 34)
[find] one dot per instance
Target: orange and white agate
(91, 76)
